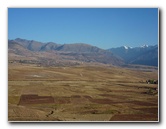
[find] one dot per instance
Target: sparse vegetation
(81, 93)
(152, 81)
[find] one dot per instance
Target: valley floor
(82, 93)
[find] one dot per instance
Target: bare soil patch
(134, 117)
(102, 101)
(114, 96)
(62, 100)
(35, 99)
(148, 110)
(141, 103)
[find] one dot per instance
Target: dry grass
(84, 93)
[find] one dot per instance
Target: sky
(102, 27)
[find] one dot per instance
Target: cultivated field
(81, 93)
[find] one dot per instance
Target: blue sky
(101, 27)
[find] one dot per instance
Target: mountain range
(144, 55)
(53, 54)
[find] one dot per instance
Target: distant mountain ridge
(80, 52)
(144, 55)
(64, 53)
(33, 45)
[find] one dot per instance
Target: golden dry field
(81, 93)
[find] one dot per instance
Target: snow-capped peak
(144, 46)
(127, 47)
